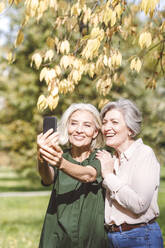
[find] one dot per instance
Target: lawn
(21, 218)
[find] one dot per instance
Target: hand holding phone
(49, 122)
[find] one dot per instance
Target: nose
(107, 127)
(79, 129)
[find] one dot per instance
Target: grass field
(21, 218)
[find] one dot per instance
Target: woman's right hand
(48, 148)
(107, 162)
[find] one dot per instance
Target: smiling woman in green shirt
(75, 214)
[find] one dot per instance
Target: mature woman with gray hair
(75, 215)
(131, 178)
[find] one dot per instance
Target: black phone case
(49, 122)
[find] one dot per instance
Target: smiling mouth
(79, 137)
(109, 135)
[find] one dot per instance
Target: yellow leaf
(65, 47)
(2, 7)
(20, 38)
(49, 55)
(148, 6)
(52, 101)
(34, 4)
(65, 61)
(17, 1)
(37, 60)
(53, 4)
(43, 73)
(50, 42)
(66, 86)
(10, 1)
(42, 103)
(136, 64)
(10, 57)
(119, 10)
(75, 10)
(145, 39)
(103, 86)
(50, 75)
(54, 91)
(58, 70)
(91, 70)
(102, 103)
(116, 59)
(75, 76)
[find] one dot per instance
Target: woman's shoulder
(144, 147)
(145, 151)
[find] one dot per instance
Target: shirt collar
(128, 153)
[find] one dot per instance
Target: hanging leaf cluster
(83, 43)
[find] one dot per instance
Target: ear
(130, 133)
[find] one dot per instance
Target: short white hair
(63, 124)
(131, 113)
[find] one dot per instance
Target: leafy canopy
(85, 39)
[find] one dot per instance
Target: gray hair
(131, 113)
(63, 124)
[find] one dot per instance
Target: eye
(87, 125)
(73, 123)
(115, 122)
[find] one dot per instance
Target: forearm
(136, 199)
(46, 172)
(84, 174)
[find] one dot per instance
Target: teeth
(110, 135)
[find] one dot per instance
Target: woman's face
(117, 134)
(81, 128)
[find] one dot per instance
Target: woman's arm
(53, 156)
(51, 153)
(46, 172)
(137, 195)
(84, 174)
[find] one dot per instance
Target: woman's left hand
(107, 162)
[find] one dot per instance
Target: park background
(22, 215)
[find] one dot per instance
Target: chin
(108, 143)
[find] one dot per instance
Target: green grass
(11, 181)
(21, 221)
(21, 218)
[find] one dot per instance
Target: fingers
(51, 157)
(51, 152)
(48, 148)
(57, 148)
(48, 139)
(50, 161)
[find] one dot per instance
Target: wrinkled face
(115, 130)
(81, 128)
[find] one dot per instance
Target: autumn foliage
(85, 41)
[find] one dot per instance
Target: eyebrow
(112, 119)
(86, 122)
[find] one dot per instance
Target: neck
(124, 147)
(80, 154)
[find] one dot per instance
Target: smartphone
(49, 122)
